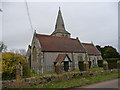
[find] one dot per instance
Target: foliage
(81, 65)
(114, 59)
(89, 64)
(100, 63)
(9, 63)
(112, 62)
(108, 52)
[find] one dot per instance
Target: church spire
(59, 22)
(60, 27)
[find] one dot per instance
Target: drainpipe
(73, 61)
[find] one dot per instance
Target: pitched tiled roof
(61, 57)
(91, 49)
(59, 44)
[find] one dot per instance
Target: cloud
(90, 21)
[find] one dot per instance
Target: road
(106, 84)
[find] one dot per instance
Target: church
(47, 50)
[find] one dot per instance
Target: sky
(95, 22)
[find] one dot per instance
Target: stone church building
(47, 50)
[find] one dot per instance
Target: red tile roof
(59, 44)
(91, 49)
(61, 57)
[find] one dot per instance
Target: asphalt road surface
(105, 84)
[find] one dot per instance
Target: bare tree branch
(3, 47)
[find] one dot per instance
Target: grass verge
(78, 81)
(53, 73)
(96, 69)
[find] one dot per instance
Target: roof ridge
(56, 36)
(88, 43)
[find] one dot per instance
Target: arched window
(34, 54)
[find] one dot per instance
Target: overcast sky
(90, 21)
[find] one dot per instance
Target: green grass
(53, 73)
(78, 81)
(44, 74)
(96, 69)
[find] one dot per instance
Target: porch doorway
(66, 65)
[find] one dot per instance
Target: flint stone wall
(26, 82)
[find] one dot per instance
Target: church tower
(60, 30)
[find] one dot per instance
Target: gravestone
(58, 68)
(19, 72)
(85, 66)
(105, 65)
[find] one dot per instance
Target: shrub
(100, 63)
(82, 65)
(112, 62)
(89, 64)
(9, 63)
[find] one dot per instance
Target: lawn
(44, 74)
(53, 73)
(78, 81)
(96, 69)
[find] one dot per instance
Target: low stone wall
(26, 82)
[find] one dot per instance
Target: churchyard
(18, 74)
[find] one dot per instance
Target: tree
(18, 51)
(10, 61)
(108, 52)
(3, 47)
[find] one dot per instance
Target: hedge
(89, 64)
(112, 62)
(100, 63)
(9, 63)
(81, 65)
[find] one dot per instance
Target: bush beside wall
(100, 63)
(112, 62)
(81, 65)
(9, 63)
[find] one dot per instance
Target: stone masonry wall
(26, 82)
